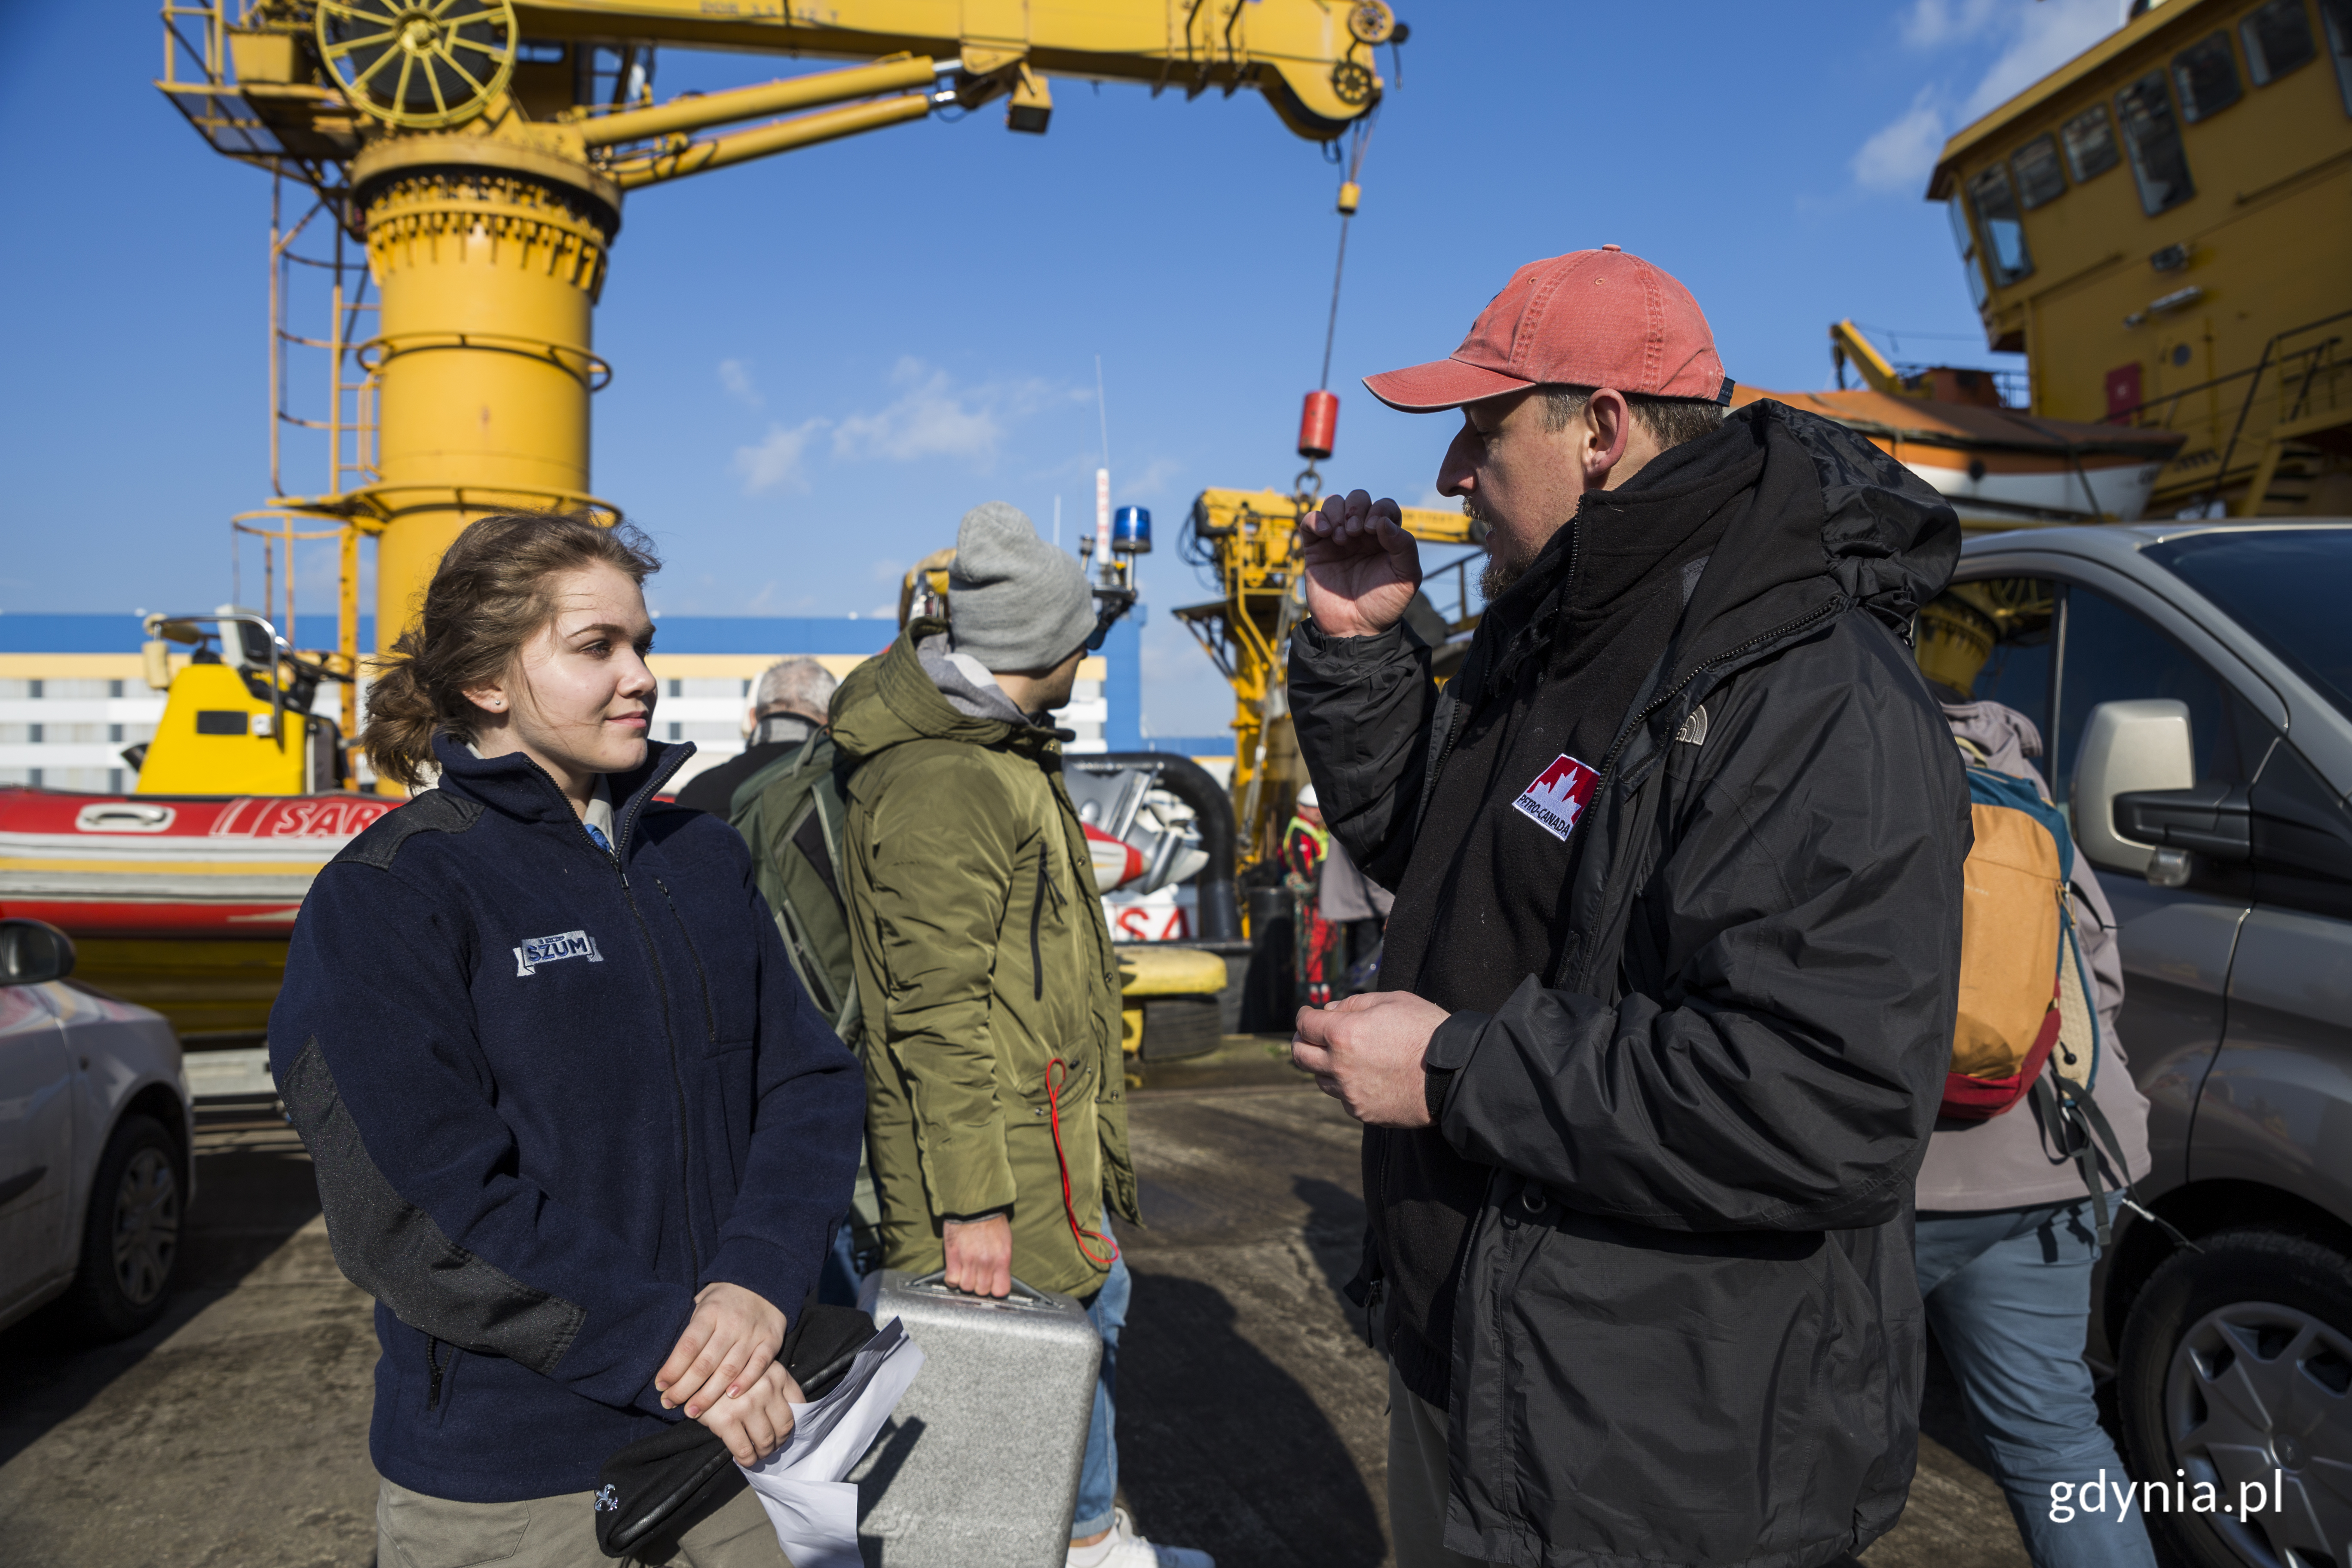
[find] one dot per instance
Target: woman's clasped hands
(724, 1372)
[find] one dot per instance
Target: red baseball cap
(1591, 318)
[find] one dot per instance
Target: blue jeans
(1098, 1477)
(2009, 1297)
(837, 1280)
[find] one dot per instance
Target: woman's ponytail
(489, 598)
(398, 736)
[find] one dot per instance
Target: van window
(2153, 137)
(2089, 139)
(2017, 672)
(2278, 39)
(2206, 74)
(2288, 586)
(2004, 229)
(2039, 178)
(2115, 654)
(2303, 838)
(2336, 16)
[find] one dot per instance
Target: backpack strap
(2082, 1133)
(808, 825)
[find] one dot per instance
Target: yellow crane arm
(1847, 342)
(702, 110)
(1312, 59)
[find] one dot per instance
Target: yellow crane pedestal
(488, 256)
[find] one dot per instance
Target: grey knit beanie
(1014, 601)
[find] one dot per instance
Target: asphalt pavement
(1252, 1422)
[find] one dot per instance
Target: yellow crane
(1246, 539)
(481, 152)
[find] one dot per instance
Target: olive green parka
(981, 958)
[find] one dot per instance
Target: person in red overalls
(1306, 844)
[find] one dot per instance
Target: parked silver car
(2193, 684)
(95, 1129)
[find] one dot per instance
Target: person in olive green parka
(981, 949)
(986, 980)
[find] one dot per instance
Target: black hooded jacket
(1660, 1234)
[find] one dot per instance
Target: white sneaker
(1130, 1550)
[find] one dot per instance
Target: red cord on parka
(1056, 1072)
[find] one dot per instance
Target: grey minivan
(2193, 685)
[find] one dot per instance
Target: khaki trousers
(1417, 1484)
(412, 1530)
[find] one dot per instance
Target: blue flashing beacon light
(1130, 531)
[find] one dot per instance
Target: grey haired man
(788, 706)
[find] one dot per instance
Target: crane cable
(1360, 141)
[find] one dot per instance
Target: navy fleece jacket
(550, 1093)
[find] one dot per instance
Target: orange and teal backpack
(2026, 1027)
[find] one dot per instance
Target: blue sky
(823, 359)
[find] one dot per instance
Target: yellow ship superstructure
(2163, 227)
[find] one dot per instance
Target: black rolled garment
(1702, 985)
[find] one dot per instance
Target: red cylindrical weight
(1318, 425)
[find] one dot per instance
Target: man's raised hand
(1362, 567)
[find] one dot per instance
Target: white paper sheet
(814, 1510)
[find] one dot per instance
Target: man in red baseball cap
(1669, 986)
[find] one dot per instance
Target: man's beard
(1504, 566)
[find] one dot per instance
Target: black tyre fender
(130, 1234)
(2237, 1363)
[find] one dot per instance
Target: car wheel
(2236, 1370)
(130, 1239)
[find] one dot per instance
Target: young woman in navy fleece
(577, 1128)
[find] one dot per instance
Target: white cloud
(1933, 22)
(2027, 40)
(2047, 34)
(1901, 154)
(736, 377)
(933, 417)
(1152, 482)
(776, 460)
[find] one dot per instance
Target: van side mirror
(33, 952)
(2130, 748)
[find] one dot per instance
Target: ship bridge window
(2089, 139)
(2039, 178)
(2004, 230)
(2153, 137)
(1963, 236)
(2278, 39)
(2336, 15)
(2206, 74)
